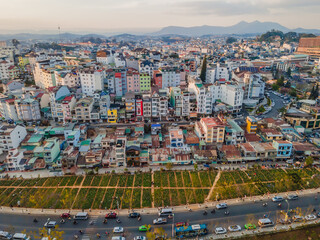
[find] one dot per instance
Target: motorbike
(105, 221)
(265, 204)
(139, 218)
(81, 232)
(279, 205)
(75, 222)
(205, 213)
(226, 213)
(213, 211)
(118, 221)
(35, 220)
(62, 221)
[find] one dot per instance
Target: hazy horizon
(106, 16)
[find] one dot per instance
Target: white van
(164, 212)
(5, 235)
(265, 222)
(20, 236)
(81, 216)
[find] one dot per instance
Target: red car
(65, 215)
(111, 215)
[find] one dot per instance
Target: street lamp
(172, 226)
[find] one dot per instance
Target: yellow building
(112, 115)
(252, 124)
(23, 61)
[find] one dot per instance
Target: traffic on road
(219, 219)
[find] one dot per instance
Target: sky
(149, 15)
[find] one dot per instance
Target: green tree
(280, 81)
(275, 87)
(195, 166)
(231, 40)
(157, 233)
(203, 69)
(282, 110)
(293, 92)
(309, 161)
(289, 72)
(169, 166)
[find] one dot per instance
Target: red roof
(68, 98)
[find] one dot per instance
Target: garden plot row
(180, 179)
(237, 184)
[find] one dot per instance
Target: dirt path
(77, 192)
(213, 186)
(152, 190)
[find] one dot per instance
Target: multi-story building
(4, 69)
(130, 103)
(121, 151)
(91, 80)
(176, 100)
(133, 81)
(176, 138)
(8, 109)
(11, 137)
(211, 130)
(284, 148)
(14, 160)
(83, 109)
(145, 82)
(203, 96)
(252, 124)
(170, 77)
(64, 107)
(70, 79)
(56, 93)
(139, 108)
(104, 105)
(28, 109)
(147, 107)
(234, 134)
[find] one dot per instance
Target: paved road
(239, 214)
(278, 104)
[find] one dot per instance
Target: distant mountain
(240, 28)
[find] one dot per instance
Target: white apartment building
(54, 95)
(7, 108)
(11, 137)
(4, 69)
(28, 109)
(217, 72)
(91, 81)
(13, 160)
(67, 78)
(203, 96)
(170, 77)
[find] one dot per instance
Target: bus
(191, 231)
(81, 216)
(164, 212)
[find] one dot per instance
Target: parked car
(250, 226)
(293, 197)
(118, 230)
(111, 215)
(277, 199)
(220, 230)
(134, 215)
(298, 218)
(159, 221)
(310, 217)
(221, 206)
(234, 228)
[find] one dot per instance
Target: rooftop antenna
(59, 34)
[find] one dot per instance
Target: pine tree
(312, 93)
(203, 69)
(316, 92)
